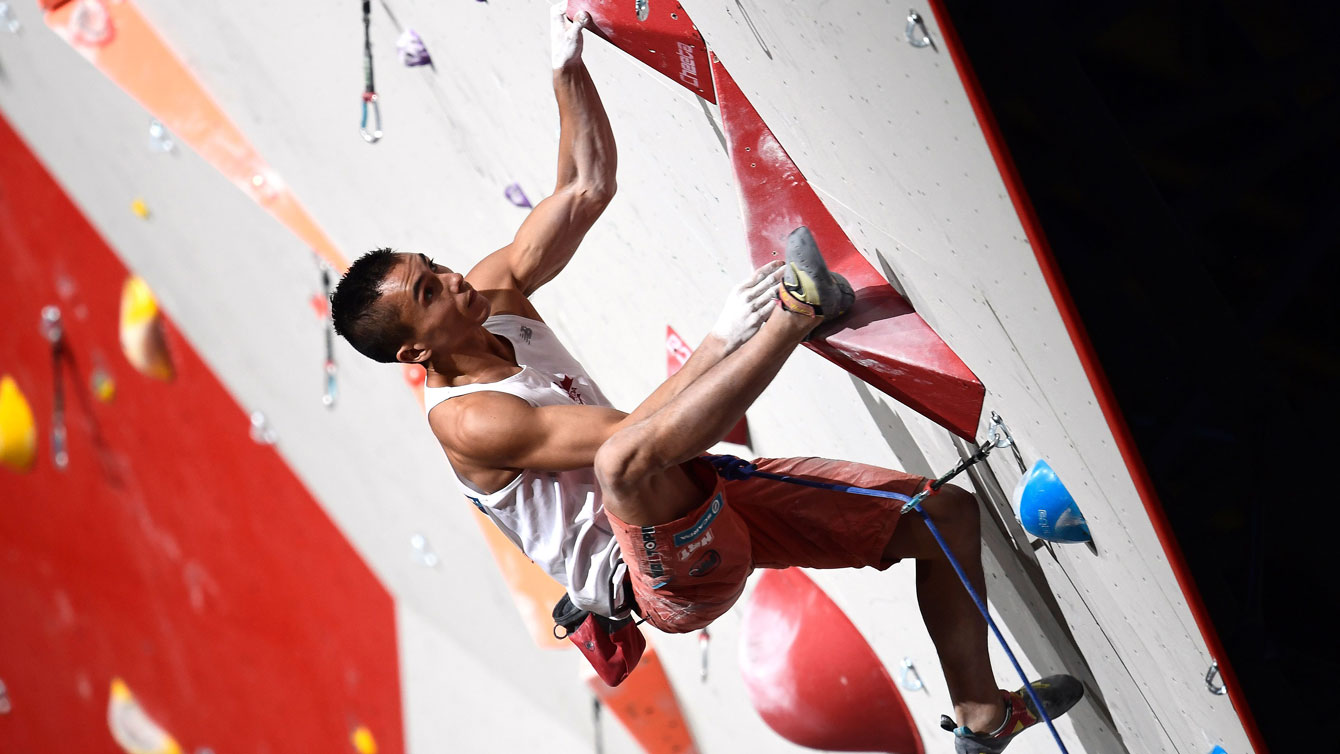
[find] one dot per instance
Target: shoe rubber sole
(808, 287)
(1058, 694)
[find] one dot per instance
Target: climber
(621, 508)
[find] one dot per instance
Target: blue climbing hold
(1046, 508)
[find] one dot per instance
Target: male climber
(621, 508)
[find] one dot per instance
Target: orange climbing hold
(119, 40)
(18, 432)
(142, 339)
(646, 705)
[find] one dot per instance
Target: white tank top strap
(549, 375)
(556, 518)
(524, 385)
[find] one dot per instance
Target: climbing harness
(732, 468)
(369, 89)
(328, 397)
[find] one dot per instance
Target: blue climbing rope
(731, 467)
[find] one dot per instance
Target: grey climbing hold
(261, 432)
(421, 551)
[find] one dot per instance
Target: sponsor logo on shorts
(692, 547)
(700, 526)
(705, 564)
(655, 568)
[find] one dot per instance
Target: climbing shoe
(807, 286)
(1058, 694)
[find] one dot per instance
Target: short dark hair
(358, 314)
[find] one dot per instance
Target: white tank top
(554, 517)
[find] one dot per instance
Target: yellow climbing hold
(132, 727)
(18, 432)
(104, 387)
(142, 339)
(140, 209)
(363, 740)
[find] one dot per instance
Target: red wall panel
(173, 552)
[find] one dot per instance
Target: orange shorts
(687, 573)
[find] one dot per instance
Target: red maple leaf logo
(568, 387)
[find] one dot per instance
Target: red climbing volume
(882, 341)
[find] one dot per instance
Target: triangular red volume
(882, 341)
(667, 40)
(812, 677)
(677, 353)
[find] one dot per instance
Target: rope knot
(731, 468)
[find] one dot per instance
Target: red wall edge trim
(1089, 360)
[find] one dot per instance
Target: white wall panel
(883, 131)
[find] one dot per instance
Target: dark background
(1183, 159)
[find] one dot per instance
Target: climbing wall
(884, 133)
(168, 551)
(889, 137)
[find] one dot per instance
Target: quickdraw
(54, 332)
(328, 397)
(369, 89)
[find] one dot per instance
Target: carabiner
(907, 669)
(916, 31)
